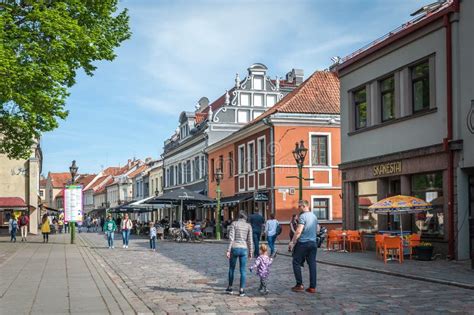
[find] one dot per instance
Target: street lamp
(72, 225)
(218, 177)
(299, 153)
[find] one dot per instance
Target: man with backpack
(273, 229)
(23, 221)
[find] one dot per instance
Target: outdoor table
(344, 237)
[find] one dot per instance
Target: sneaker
(110, 247)
(229, 290)
(274, 254)
(126, 246)
(311, 290)
(123, 246)
(298, 288)
(241, 292)
(113, 247)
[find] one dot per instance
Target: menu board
(73, 203)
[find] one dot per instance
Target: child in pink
(262, 265)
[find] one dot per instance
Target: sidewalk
(57, 278)
(454, 273)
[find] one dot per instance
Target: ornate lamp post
(218, 177)
(299, 153)
(72, 225)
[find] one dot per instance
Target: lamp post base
(72, 228)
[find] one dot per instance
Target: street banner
(73, 203)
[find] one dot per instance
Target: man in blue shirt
(304, 247)
(256, 221)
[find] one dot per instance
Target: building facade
(258, 166)
(404, 127)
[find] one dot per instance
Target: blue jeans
(256, 242)
(153, 242)
(125, 237)
(110, 238)
(241, 254)
(305, 251)
(271, 243)
(13, 234)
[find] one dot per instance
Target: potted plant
(424, 251)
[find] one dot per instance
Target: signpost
(73, 206)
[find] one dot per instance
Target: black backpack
(278, 229)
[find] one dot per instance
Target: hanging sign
(73, 203)
(261, 196)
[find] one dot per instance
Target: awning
(15, 203)
(185, 195)
(231, 200)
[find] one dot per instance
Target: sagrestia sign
(387, 168)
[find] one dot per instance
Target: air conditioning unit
(292, 191)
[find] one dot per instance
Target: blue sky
(183, 50)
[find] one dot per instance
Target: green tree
(43, 43)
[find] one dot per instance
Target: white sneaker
(110, 247)
(123, 246)
(126, 246)
(113, 247)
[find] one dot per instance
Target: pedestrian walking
(240, 246)
(127, 226)
(271, 227)
(257, 222)
(152, 237)
(110, 227)
(304, 247)
(45, 229)
(66, 226)
(293, 225)
(12, 228)
(23, 222)
(262, 265)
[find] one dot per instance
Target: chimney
(129, 163)
(295, 76)
(202, 103)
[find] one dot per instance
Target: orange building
(258, 164)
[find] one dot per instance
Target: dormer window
(184, 131)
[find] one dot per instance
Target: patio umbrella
(400, 205)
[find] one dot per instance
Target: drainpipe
(267, 122)
(449, 137)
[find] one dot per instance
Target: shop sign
(261, 196)
(388, 168)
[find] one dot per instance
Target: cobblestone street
(192, 278)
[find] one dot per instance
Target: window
(221, 163)
(387, 92)
(360, 105)
(184, 131)
(188, 171)
(203, 166)
(319, 150)
(251, 156)
(261, 153)
(258, 83)
(243, 116)
(258, 100)
(429, 187)
(271, 100)
(212, 170)
(245, 99)
(197, 172)
(321, 208)
(231, 164)
(366, 195)
(241, 159)
(420, 81)
(193, 176)
(256, 113)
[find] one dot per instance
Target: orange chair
(354, 237)
(379, 245)
(413, 241)
(334, 238)
(392, 246)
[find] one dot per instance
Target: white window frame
(241, 166)
(253, 157)
(330, 206)
(259, 153)
(329, 149)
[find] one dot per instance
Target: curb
(385, 272)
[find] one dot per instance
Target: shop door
(471, 218)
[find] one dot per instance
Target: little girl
(262, 263)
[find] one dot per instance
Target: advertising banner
(73, 203)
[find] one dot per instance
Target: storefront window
(366, 195)
(429, 187)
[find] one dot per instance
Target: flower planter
(424, 253)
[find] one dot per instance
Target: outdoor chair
(392, 246)
(334, 238)
(209, 231)
(413, 241)
(354, 237)
(379, 245)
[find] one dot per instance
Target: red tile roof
(102, 188)
(137, 171)
(113, 170)
(200, 117)
(43, 183)
(98, 183)
(319, 94)
(13, 202)
(85, 179)
(400, 32)
(59, 180)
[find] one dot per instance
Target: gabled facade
(257, 159)
(407, 118)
